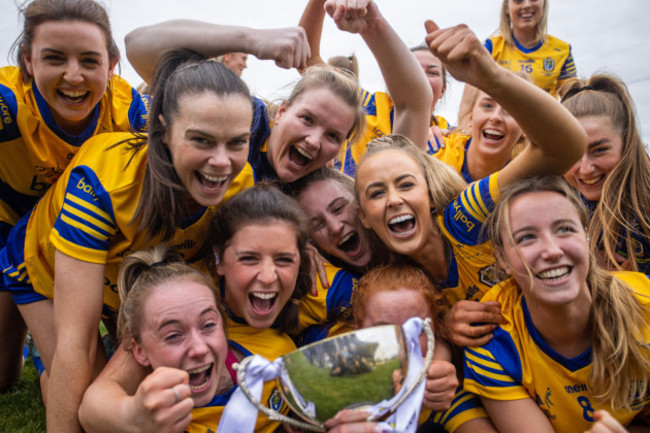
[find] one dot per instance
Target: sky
(605, 35)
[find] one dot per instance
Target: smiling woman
(569, 325)
(125, 192)
(62, 92)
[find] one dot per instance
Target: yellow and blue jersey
(464, 407)
(34, 150)
(268, 343)
(518, 364)
(260, 131)
(329, 312)
(379, 122)
(548, 64)
(471, 270)
(453, 154)
(88, 215)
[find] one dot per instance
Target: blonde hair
(342, 84)
(443, 184)
(349, 63)
(618, 321)
(394, 278)
(139, 275)
(505, 24)
(624, 204)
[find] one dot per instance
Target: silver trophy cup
(356, 370)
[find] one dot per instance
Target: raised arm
(557, 139)
(78, 294)
(288, 47)
(312, 22)
(124, 398)
(405, 81)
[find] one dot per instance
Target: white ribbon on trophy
(240, 414)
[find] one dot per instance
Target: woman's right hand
(288, 47)
(163, 401)
(471, 323)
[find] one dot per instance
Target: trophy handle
(426, 327)
(271, 414)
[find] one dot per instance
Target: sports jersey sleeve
(494, 370)
(139, 111)
(86, 221)
(8, 114)
(488, 45)
(568, 69)
(464, 216)
(464, 407)
(329, 305)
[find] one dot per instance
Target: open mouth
(211, 183)
(200, 377)
(593, 180)
(299, 157)
(73, 96)
(493, 134)
(402, 225)
(350, 244)
(262, 302)
(556, 274)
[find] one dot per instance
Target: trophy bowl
(362, 369)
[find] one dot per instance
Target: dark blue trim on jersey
(488, 45)
(339, 294)
(239, 347)
(315, 333)
(18, 202)
(187, 222)
(138, 113)
(571, 364)
(452, 273)
(464, 170)
(504, 352)
(455, 211)
(220, 400)
(84, 184)
(527, 50)
(260, 130)
(46, 115)
(10, 130)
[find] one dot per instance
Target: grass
(21, 408)
(331, 394)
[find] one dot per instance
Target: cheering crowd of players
(202, 224)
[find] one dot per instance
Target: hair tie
(157, 264)
(572, 93)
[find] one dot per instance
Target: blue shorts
(12, 262)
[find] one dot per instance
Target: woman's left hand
(350, 421)
(440, 386)
(317, 265)
(605, 423)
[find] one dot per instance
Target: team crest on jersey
(275, 401)
(549, 64)
(489, 275)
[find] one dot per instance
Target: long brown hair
(181, 72)
(624, 206)
(618, 321)
(38, 12)
(265, 204)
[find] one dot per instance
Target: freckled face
(182, 328)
